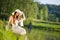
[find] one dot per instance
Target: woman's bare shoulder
(11, 16)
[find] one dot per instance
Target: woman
(17, 22)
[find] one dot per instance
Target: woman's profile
(16, 21)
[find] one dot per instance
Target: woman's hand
(24, 18)
(21, 13)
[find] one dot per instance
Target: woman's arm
(24, 18)
(9, 22)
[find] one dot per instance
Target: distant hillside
(54, 9)
(50, 12)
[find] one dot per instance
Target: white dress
(17, 29)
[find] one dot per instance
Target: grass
(9, 35)
(35, 34)
(46, 25)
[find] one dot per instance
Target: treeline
(32, 10)
(29, 7)
(54, 12)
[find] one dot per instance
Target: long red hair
(15, 17)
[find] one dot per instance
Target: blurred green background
(45, 19)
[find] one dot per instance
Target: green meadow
(40, 31)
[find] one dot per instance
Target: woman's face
(17, 14)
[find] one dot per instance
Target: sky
(56, 2)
